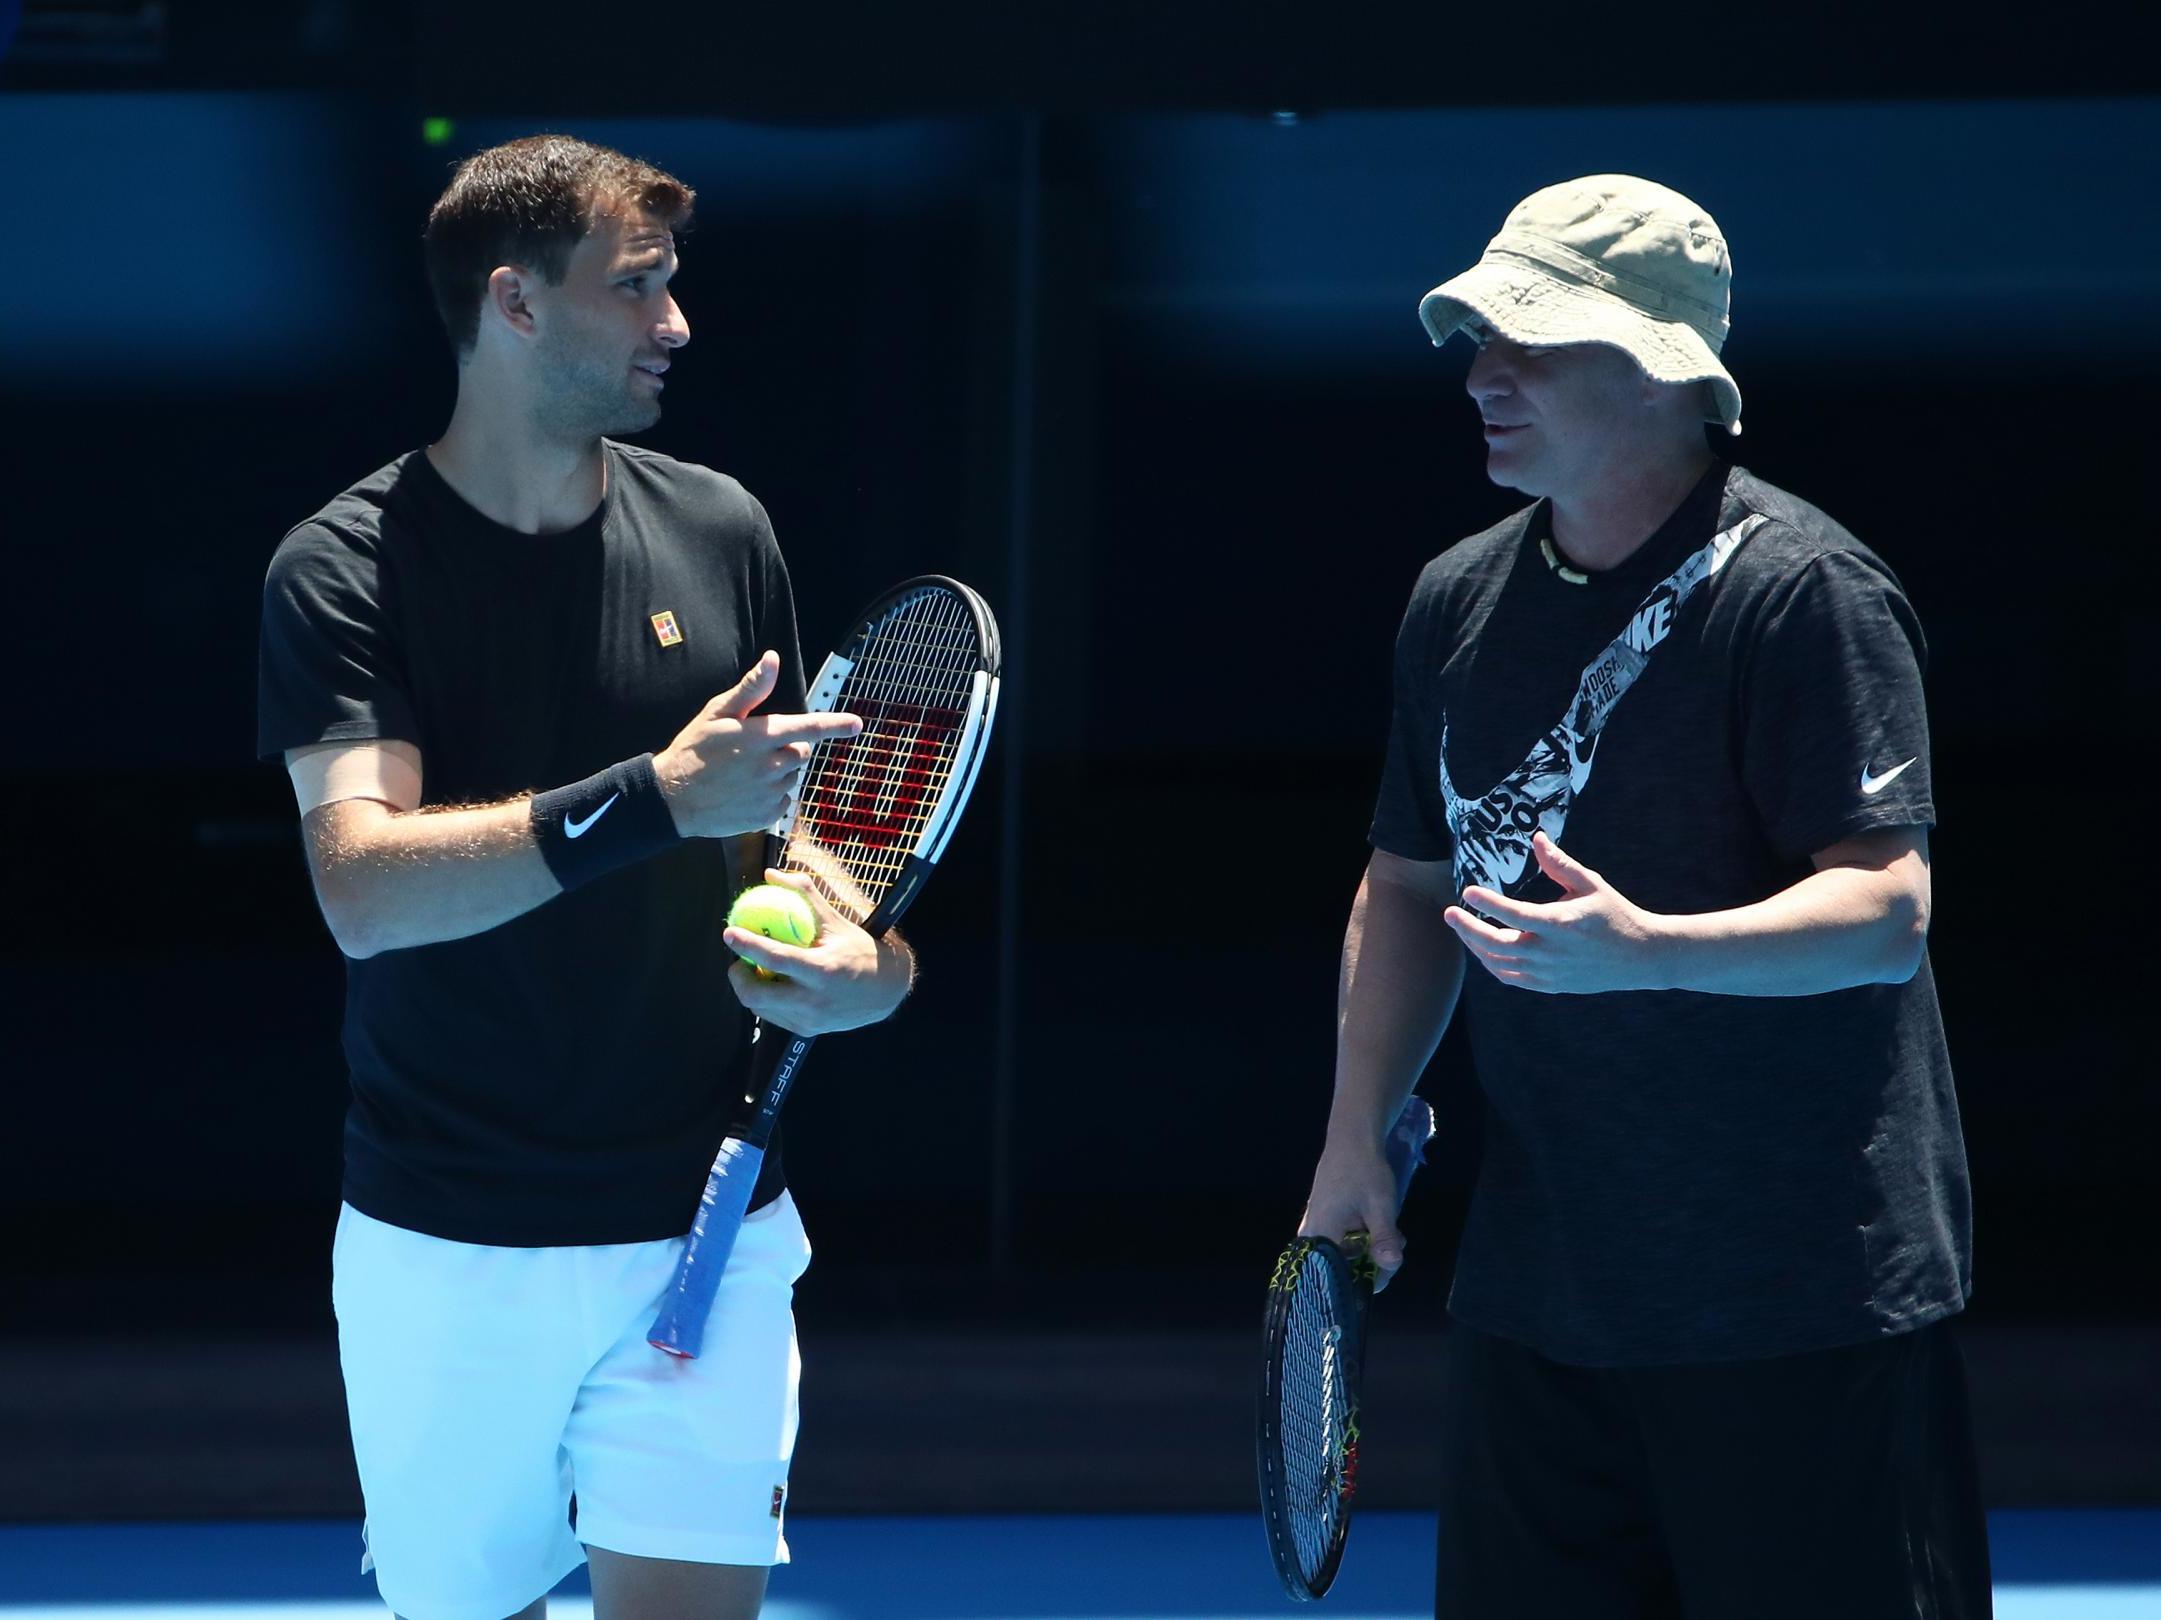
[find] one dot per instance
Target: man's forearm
(1402, 971)
(389, 879)
(1837, 928)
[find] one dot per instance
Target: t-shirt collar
(1691, 523)
(469, 522)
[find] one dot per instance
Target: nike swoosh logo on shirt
(1869, 784)
(576, 829)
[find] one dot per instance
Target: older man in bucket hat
(1656, 809)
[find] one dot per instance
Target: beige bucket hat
(1606, 259)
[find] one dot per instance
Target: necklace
(1574, 576)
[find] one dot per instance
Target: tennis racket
(869, 820)
(1314, 1351)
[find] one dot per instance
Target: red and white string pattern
(866, 800)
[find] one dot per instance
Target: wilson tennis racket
(869, 820)
(1314, 1346)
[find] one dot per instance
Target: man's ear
(507, 299)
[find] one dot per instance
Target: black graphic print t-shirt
(566, 1077)
(1670, 1176)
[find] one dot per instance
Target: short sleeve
(330, 668)
(1409, 819)
(773, 597)
(1834, 725)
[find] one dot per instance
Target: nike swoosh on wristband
(1869, 784)
(577, 829)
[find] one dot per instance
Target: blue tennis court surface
(2051, 1565)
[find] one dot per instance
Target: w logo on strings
(873, 791)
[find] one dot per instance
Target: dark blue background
(212, 318)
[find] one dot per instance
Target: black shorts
(1835, 1484)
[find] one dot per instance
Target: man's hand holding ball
(807, 968)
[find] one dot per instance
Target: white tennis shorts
(486, 1385)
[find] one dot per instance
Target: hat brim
(1527, 306)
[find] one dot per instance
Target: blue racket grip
(1405, 1144)
(679, 1329)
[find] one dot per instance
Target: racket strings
(1317, 1425)
(865, 801)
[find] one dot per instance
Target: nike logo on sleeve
(577, 829)
(1876, 784)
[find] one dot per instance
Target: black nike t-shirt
(563, 1078)
(1670, 1176)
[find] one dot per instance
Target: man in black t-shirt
(490, 668)
(1656, 809)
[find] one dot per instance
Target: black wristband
(603, 822)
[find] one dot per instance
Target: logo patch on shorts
(664, 626)
(780, 1495)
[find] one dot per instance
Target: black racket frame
(1351, 1288)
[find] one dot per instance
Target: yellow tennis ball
(777, 913)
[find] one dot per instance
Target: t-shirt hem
(1672, 1353)
(460, 1227)
(342, 731)
(1869, 820)
(1404, 848)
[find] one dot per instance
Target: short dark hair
(529, 202)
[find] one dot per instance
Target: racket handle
(1405, 1144)
(679, 1329)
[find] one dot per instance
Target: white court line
(2097, 1602)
